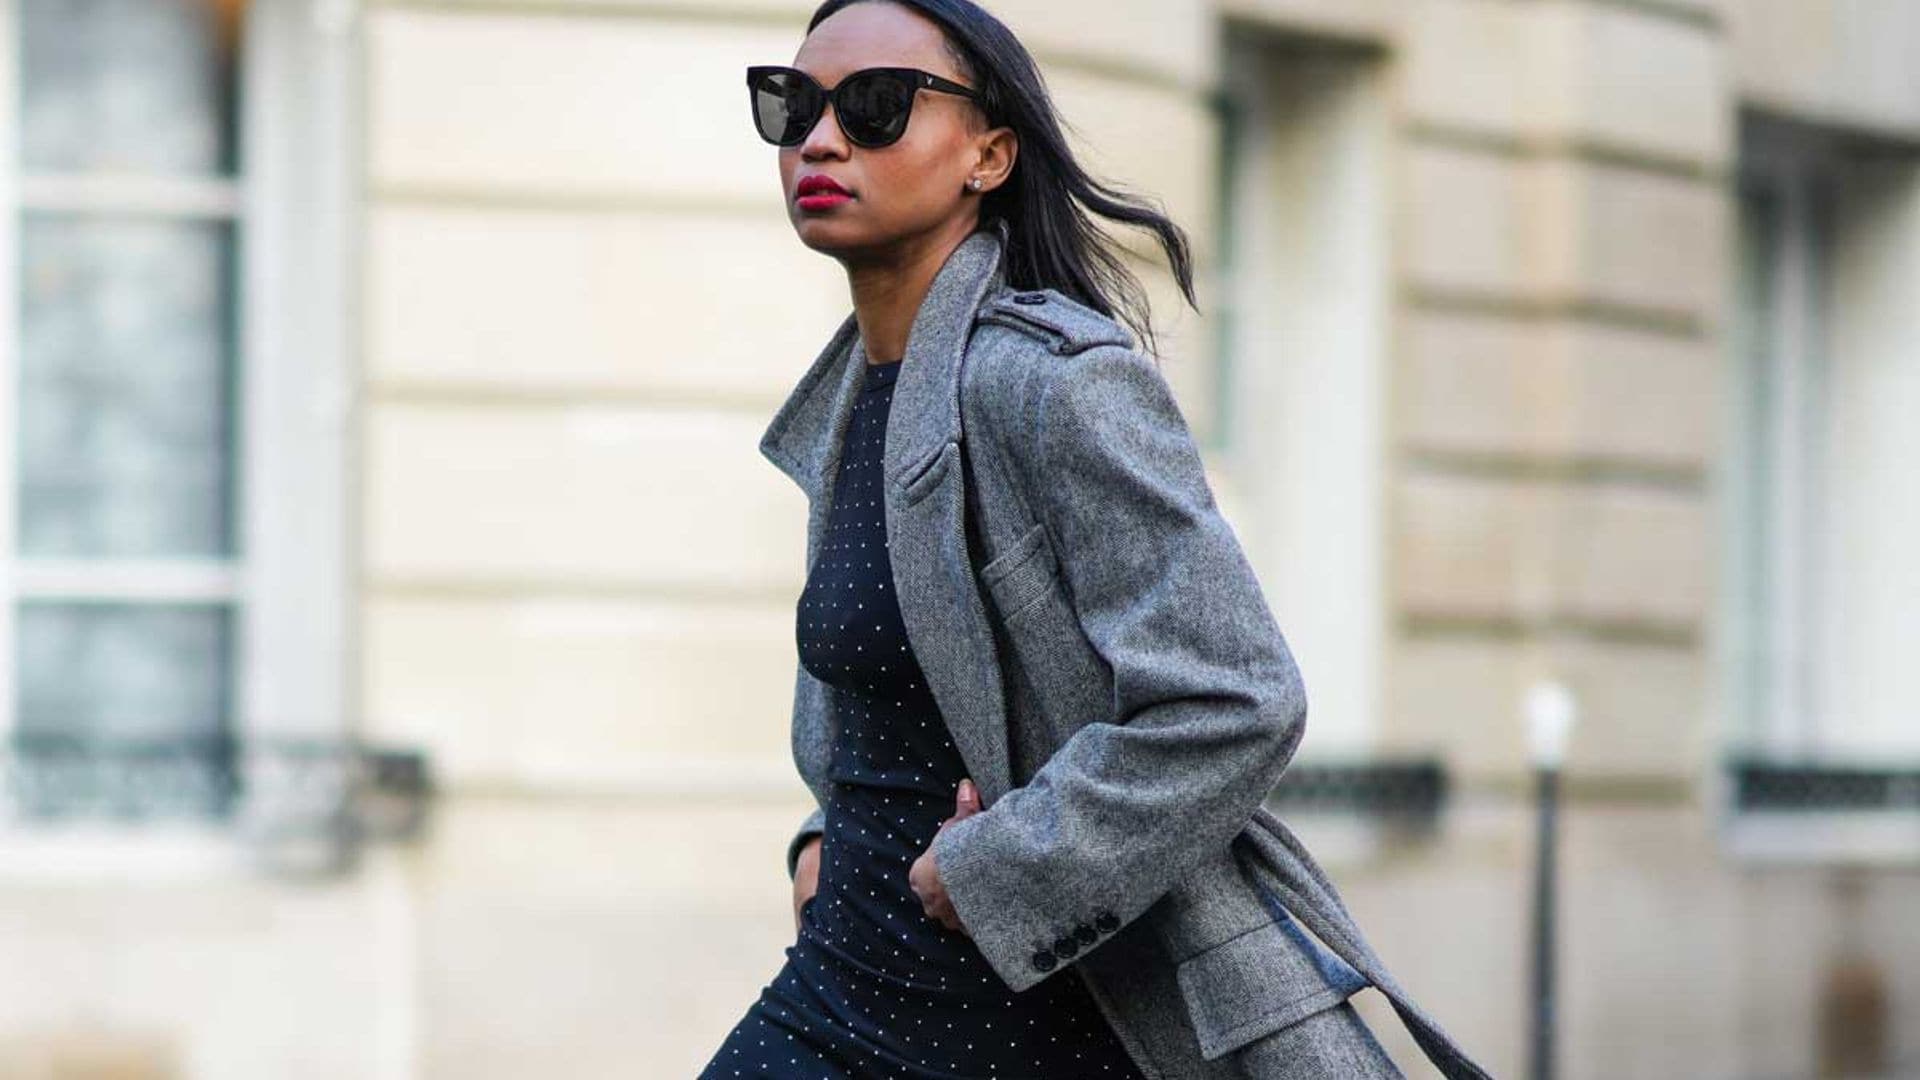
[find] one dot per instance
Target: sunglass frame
(915, 78)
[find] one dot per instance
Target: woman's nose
(826, 136)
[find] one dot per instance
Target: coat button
(1064, 945)
(1043, 961)
(1030, 298)
(1107, 922)
(1085, 935)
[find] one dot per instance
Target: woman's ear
(999, 149)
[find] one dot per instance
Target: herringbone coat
(1113, 678)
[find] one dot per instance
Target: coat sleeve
(1207, 706)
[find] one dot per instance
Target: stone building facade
(1581, 331)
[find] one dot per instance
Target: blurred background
(399, 650)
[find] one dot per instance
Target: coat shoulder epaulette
(1066, 325)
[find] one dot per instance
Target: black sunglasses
(872, 104)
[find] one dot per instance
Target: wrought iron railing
(1776, 787)
(1408, 790)
(323, 797)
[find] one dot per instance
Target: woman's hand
(923, 877)
(806, 878)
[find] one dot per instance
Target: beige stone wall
(1847, 62)
(159, 959)
(1562, 258)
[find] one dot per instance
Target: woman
(934, 896)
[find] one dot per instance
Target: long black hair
(1048, 198)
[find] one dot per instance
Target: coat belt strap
(1315, 902)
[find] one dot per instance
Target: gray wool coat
(1112, 677)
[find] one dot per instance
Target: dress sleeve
(813, 826)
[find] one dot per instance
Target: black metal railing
(1407, 789)
(52, 777)
(1776, 786)
(331, 795)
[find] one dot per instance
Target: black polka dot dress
(873, 986)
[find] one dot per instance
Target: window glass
(142, 86)
(100, 674)
(1820, 520)
(125, 443)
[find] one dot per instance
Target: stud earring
(974, 183)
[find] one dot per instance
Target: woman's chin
(827, 236)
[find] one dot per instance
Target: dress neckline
(879, 375)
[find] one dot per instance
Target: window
(122, 532)
(1299, 425)
(166, 598)
(1824, 518)
(1822, 568)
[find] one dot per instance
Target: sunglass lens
(874, 108)
(784, 106)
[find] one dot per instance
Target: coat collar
(802, 439)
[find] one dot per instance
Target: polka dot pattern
(874, 987)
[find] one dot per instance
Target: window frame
(1775, 453)
(295, 206)
(1343, 129)
(1785, 794)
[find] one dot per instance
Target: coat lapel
(939, 597)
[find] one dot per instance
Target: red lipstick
(819, 191)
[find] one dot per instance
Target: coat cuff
(1025, 928)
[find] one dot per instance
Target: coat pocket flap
(923, 476)
(1254, 984)
(1022, 573)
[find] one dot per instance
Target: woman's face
(914, 187)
